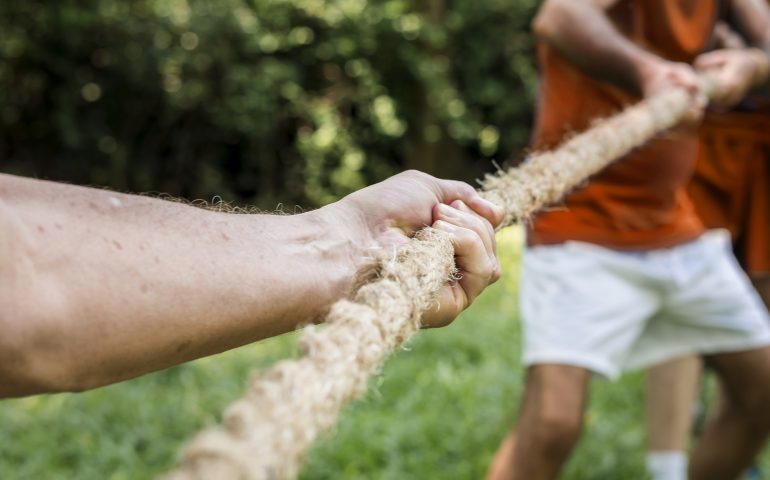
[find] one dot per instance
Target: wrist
(648, 68)
(311, 258)
(761, 63)
(347, 243)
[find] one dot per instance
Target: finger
(708, 62)
(476, 267)
(493, 213)
(694, 117)
(448, 191)
(468, 219)
(695, 113)
(487, 233)
(730, 93)
(685, 77)
(476, 271)
(451, 301)
(698, 109)
(733, 99)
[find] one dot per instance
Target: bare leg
(549, 424)
(741, 425)
(502, 463)
(671, 390)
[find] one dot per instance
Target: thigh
(745, 375)
(671, 389)
(761, 283)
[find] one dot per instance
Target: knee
(555, 430)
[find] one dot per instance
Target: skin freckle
(144, 288)
(58, 226)
(40, 229)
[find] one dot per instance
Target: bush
(261, 101)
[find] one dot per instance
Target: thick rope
(267, 433)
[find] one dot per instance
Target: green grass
(437, 411)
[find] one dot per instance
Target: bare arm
(97, 286)
(753, 18)
(582, 32)
(742, 68)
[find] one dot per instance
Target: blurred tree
(262, 101)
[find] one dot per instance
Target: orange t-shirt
(731, 185)
(640, 202)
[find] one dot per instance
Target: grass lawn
(438, 411)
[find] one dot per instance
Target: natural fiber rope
(267, 433)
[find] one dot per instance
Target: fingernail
(441, 224)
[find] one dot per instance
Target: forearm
(753, 18)
(581, 31)
(99, 286)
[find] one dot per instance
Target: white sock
(667, 465)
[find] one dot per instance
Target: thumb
(709, 62)
(450, 190)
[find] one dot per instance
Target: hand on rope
(736, 71)
(391, 212)
(660, 76)
(267, 433)
(445, 266)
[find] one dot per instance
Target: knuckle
(497, 272)
(474, 221)
(466, 189)
(441, 225)
(474, 240)
(467, 240)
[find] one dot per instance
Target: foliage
(261, 100)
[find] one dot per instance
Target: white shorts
(610, 311)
